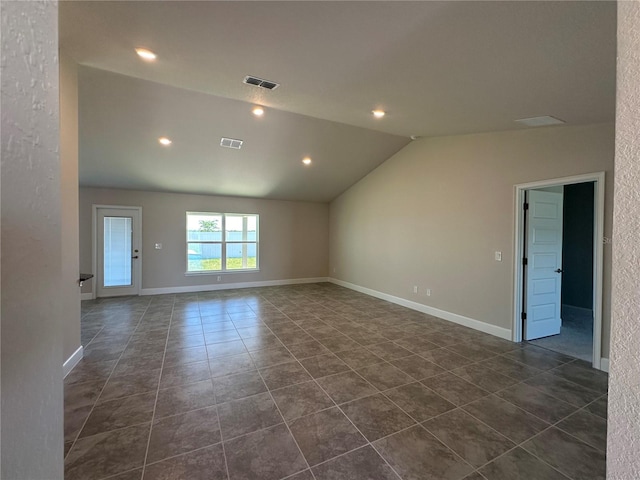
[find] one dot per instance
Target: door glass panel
(117, 251)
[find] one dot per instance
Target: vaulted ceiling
(436, 68)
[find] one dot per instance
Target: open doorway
(574, 335)
(558, 294)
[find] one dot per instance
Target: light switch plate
(498, 256)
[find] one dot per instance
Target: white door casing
(543, 248)
(598, 255)
(124, 243)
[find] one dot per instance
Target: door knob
(135, 256)
(559, 270)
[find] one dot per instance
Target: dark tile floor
(319, 382)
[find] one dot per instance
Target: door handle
(559, 270)
(135, 256)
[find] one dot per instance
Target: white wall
(69, 288)
(293, 236)
(623, 441)
(31, 371)
(434, 214)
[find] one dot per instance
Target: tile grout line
(215, 394)
(155, 403)
(360, 322)
(104, 386)
(368, 443)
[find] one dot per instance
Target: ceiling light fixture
(258, 111)
(165, 141)
(378, 113)
(145, 54)
(306, 161)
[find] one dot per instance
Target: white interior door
(119, 254)
(544, 265)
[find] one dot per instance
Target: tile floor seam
(540, 459)
(286, 424)
(476, 469)
(556, 425)
(155, 403)
(330, 398)
(368, 442)
(217, 406)
(531, 413)
(540, 389)
(103, 387)
(342, 313)
(274, 402)
(204, 447)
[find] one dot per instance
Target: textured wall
(434, 214)
(69, 289)
(623, 447)
(293, 235)
(32, 436)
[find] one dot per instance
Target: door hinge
(525, 261)
(524, 315)
(525, 206)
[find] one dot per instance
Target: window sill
(227, 272)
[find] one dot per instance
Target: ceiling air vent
(260, 82)
(231, 143)
(540, 121)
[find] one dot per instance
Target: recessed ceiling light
(378, 113)
(258, 111)
(146, 54)
(540, 121)
(165, 141)
(306, 161)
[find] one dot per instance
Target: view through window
(220, 242)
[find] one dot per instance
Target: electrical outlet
(158, 246)
(219, 277)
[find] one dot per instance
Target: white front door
(544, 265)
(119, 253)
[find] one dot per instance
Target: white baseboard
(86, 296)
(452, 317)
(604, 364)
(229, 286)
(72, 361)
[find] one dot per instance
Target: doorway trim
(137, 270)
(598, 250)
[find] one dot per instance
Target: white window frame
(224, 242)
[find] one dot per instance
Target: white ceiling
(437, 68)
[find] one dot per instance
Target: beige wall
(434, 214)
(69, 289)
(32, 426)
(293, 235)
(623, 441)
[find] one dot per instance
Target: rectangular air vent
(540, 121)
(260, 82)
(231, 143)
